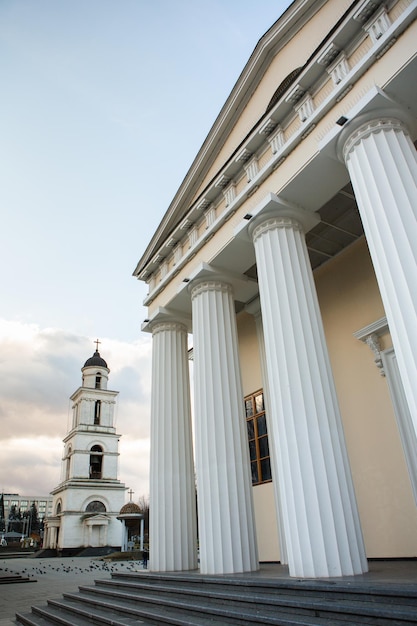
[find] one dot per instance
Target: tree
(34, 518)
(143, 504)
(15, 519)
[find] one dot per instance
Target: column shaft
(320, 516)
(382, 164)
(225, 509)
(173, 536)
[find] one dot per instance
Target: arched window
(97, 412)
(58, 508)
(96, 462)
(95, 507)
(98, 380)
(283, 87)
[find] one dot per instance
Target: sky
(104, 105)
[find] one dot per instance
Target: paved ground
(51, 578)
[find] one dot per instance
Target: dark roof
(95, 361)
(130, 508)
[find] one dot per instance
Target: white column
(52, 537)
(142, 533)
(321, 521)
(104, 534)
(224, 487)
(382, 164)
(124, 536)
(172, 525)
(45, 540)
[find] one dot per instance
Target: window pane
(249, 407)
(254, 468)
(263, 447)
(261, 423)
(266, 469)
(259, 403)
(252, 450)
(257, 438)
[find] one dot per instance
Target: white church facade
(89, 497)
(289, 256)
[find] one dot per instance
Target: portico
(274, 220)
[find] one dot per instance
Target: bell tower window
(97, 412)
(68, 463)
(98, 380)
(96, 462)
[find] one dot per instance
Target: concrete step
(7, 580)
(231, 604)
(195, 600)
(266, 591)
(67, 613)
(371, 592)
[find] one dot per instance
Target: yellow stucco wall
(349, 300)
(263, 495)
(249, 354)
(266, 524)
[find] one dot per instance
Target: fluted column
(322, 528)
(382, 163)
(225, 509)
(172, 524)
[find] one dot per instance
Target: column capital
(168, 325)
(212, 283)
(379, 113)
(163, 316)
(369, 127)
(274, 212)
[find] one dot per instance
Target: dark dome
(129, 508)
(95, 361)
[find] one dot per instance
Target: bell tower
(89, 497)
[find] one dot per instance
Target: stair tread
(241, 593)
(176, 615)
(72, 615)
(273, 584)
(279, 601)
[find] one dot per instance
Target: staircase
(192, 599)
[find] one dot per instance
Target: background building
(289, 253)
(23, 503)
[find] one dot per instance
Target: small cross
(96, 342)
(130, 494)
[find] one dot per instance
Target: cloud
(39, 370)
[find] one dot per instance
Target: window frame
(254, 418)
